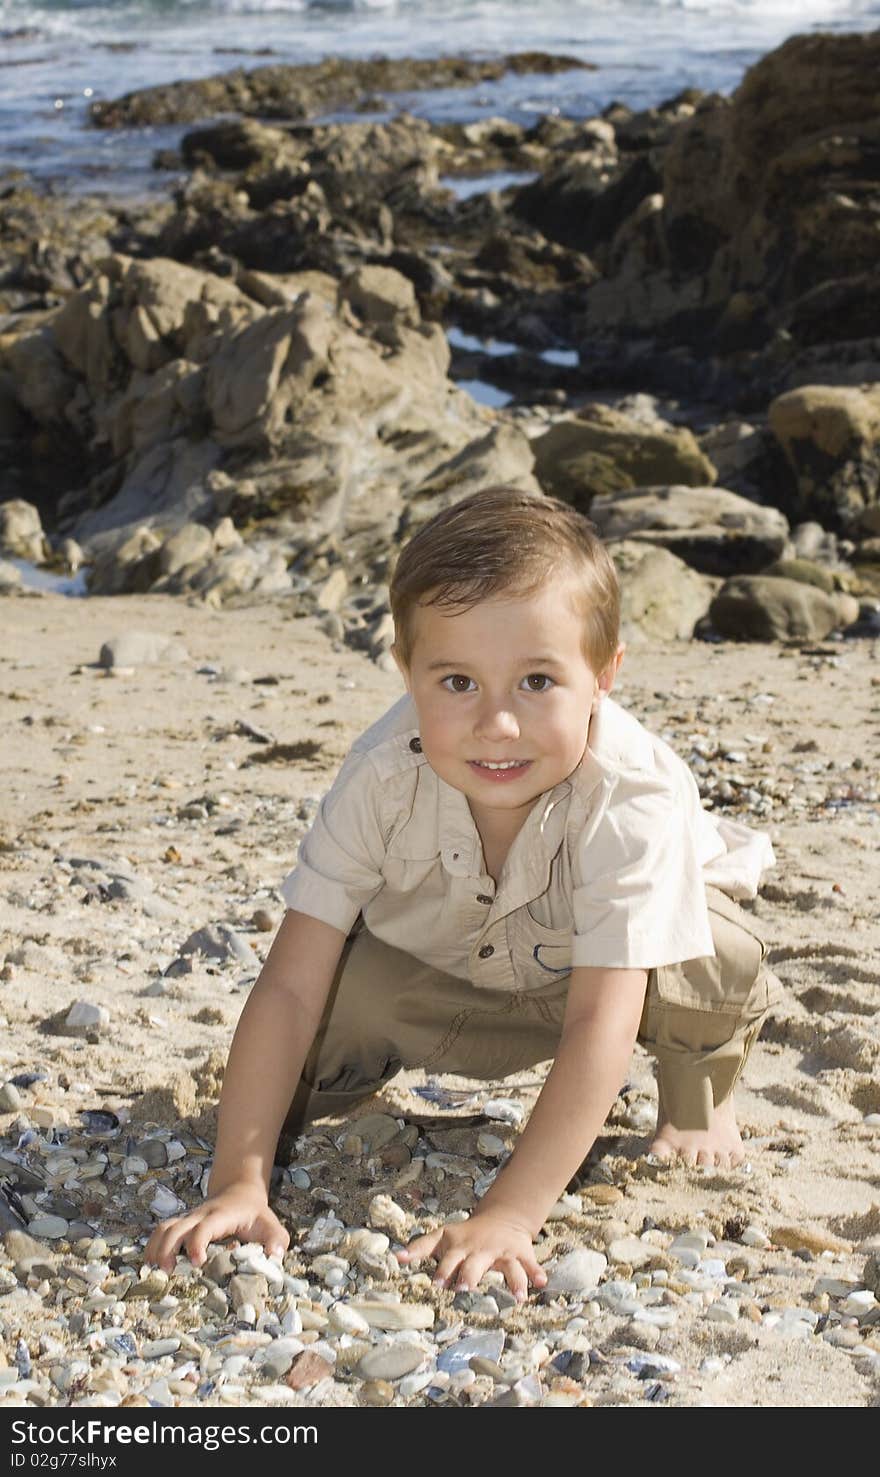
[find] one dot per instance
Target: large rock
(713, 530)
(661, 599)
(830, 435)
(763, 608)
(21, 532)
(602, 451)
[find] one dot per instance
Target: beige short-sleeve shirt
(608, 869)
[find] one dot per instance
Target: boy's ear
(606, 679)
(400, 665)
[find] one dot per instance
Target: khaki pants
(387, 1010)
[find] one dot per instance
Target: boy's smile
(504, 694)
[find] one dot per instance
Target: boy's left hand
(465, 1250)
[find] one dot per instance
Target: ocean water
(58, 55)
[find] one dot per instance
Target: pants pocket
(732, 980)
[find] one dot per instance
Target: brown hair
(504, 541)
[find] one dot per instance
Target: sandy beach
(190, 782)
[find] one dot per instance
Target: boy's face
(506, 682)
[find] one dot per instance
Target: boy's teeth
(508, 764)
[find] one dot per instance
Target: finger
(448, 1265)
(534, 1271)
(167, 1240)
(271, 1235)
(420, 1247)
(472, 1269)
(515, 1277)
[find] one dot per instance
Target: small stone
(83, 1016)
(244, 1290)
(50, 1227)
(164, 1204)
(219, 1267)
(140, 648)
(387, 1215)
(630, 1250)
(390, 1362)
(394, 1316)
(308, 1369)
(377, 1392)
(263, 921)
(795, 1237)
(10, 1098)
(858, 1303)
(754, 1236)
(725, 1310)
(458, 1356)
(348, 1320)
(601, 1194)
(158, 1348)
(578, 1272)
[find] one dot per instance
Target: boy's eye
(456, 682)
(538, 681)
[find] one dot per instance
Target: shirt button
(486, 950)
(483, 898)
(416, 745)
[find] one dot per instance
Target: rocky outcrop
(752, 214)
(279, 91)
(326, 413)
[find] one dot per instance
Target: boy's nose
(496, 723)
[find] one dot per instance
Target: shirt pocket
(540, 954)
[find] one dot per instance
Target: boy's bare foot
(719, 1144)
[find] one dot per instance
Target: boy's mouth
(499, 769)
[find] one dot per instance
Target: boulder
(661, 598)
(21, 532)
(830, 436)
(762, 608)
(602, 451)
(711, 529)
(804, 570)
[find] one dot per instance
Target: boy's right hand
(241, 1209)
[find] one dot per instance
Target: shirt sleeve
(340, 858)
(639, 897)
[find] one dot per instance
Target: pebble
(631, 1250)
(50, 1227)
(83, 1016)
(578, 1272)
(394, 1315)
(377, 1392)
(458, 1356)
(140, 648)
(726, 1310)
(347, 1319)
(390, 1362)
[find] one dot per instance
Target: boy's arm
(598, 1034)
(266, 1058)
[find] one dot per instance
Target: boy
(507, 868)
